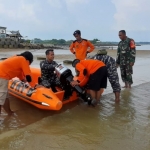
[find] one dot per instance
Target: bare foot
(117, 100)
(11, 112)
(124, 87)
(129, 86)
(94, 102)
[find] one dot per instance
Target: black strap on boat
(18, 87)
(23, 87)
(13, 84)
(30, 92)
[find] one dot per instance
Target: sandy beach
(7, 52)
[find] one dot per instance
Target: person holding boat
(48, 76)
(15, 66)
(81, 47)
(96, 71)
(111, 71)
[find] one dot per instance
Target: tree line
(68, 42)
(55, 41)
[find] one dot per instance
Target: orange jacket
(90, 66)
(15, 66)
(81, 49)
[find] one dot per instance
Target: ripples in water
(108, 126)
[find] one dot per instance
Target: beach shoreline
(69, 56)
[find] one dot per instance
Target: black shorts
(98, 79)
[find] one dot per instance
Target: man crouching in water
(15, 66)
(48, 77)
(111, 71)
(97, 73)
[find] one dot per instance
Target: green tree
(61, 41)
(54, 41)
(27, 41)
(94, 41)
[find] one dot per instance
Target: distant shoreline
(61, 57)
(65, 48)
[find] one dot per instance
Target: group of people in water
(101, 65)
(97, 68)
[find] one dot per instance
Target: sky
(58, 19)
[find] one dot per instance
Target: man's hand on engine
(74, 83)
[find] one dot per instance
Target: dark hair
(49, 50)
(123, 31)
(77, 32)
(27, 55)
(75, 62)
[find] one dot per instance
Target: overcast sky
(102, 19)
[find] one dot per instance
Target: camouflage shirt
(47, 70)
(107, 60)
(126, 52)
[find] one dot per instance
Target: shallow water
(108, 126)
(142, 47)
(41, 52)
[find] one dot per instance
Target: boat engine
(65, 76)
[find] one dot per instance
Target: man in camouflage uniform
(111, 71)
(48, 77)
(126, 58)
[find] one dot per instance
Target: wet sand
(9, 52)
(109, 126)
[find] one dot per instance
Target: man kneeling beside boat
(111, 71)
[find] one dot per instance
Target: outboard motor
(65, 76)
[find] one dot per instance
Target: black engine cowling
(65, 76)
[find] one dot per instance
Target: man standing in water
(111, 71)
(126, 58)
(80, 46)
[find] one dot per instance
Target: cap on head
(102, 52)
(75, 62)
(77, 32)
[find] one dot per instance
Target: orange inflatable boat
(44, 98)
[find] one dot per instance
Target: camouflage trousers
(113, 77)
(50, 83)
(126, 73)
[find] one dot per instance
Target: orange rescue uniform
(15, 66)
(88, 66)
(81, 48)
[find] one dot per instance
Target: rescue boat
(44, 98)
